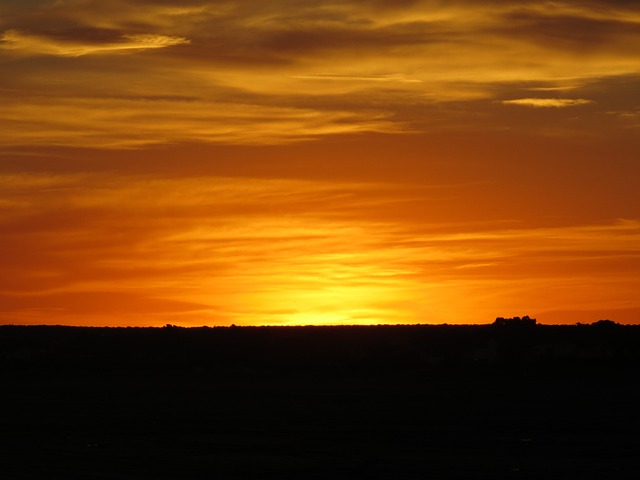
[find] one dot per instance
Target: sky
(300, 162)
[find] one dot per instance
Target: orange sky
(298, 162)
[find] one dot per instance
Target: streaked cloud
(40, 45)
(364, 66)
(127, 123)
(300, 161)
(547, 102)
(249, 250)
(346, 78)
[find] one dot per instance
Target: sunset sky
(300, 162)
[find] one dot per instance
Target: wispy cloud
(41, 45)
(126, 123)
(547, 102)
(300, 161)
(367, 60)
(234, 250)
(356, 78)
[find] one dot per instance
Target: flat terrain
(409, 402)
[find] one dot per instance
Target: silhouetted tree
(605, 324)
(525, 321)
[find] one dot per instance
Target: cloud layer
(547, 102)
(221, 250)
(345, 66)
(166, 161)
(40, 45)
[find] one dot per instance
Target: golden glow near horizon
(194, 162)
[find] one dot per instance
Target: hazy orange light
(224, 164)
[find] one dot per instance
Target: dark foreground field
(308, 403)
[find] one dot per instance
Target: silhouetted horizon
(503, 400)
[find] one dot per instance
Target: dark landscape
(508, 400)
